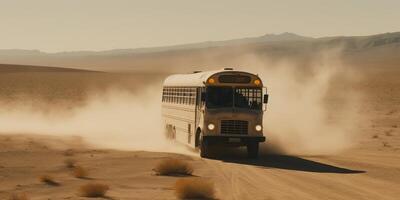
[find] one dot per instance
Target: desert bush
(49, 180)
(93, 190)
(386, 144)
(194, 188)
(18, 197)
(70, 163)
(389, 133)
(69, 152)
(173, 167)
(80, 172)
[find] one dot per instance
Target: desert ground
(368, 169)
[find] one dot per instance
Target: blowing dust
(117, 119)
(312, 110)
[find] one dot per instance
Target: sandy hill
(10, 68)
(365, 51)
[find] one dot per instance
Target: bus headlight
(258, 127)
(211, 126)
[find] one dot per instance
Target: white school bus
(223, 107)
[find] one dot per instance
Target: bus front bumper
(234, 140)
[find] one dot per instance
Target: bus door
(199, 105)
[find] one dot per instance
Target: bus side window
(190, 96)
(197, 96)
(180, 96)
(185, 101)
(169, 94)
(166, 95)
(163, 95)
(178, 99)
(183, 96)
(193, 97)
(173, 95)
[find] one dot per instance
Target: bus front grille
(237, 127)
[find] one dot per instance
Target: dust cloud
(117, 119)
(312, 110)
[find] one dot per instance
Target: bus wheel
(167, 131)
(174, 133)
(204, 149)
(252, 150)
(197, 138)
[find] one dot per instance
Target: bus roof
(195, 79)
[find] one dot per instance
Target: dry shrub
(19, 197)
(194, 188)
(93, 190)
(386, 144)
(49, 180)
(69, 152)
(173, 167)
(70, 163)
(80, 172)
(389, 133)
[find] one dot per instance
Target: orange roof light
(211, 81)
(257, 82)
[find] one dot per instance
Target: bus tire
(197, 138)
(252, 150)
(204, 149)
(167, 131)
(173, 133)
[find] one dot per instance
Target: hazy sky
(65, 25)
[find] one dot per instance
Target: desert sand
(367, 169)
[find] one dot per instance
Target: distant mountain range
(208, 44)
(9, 68)
(380, 49)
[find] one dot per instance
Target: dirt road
(360, 176)
(356, 174)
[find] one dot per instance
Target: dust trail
(116, 119)
(311, 111)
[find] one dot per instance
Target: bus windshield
(226, 97)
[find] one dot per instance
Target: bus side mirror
(266, 98)
(203, 96)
